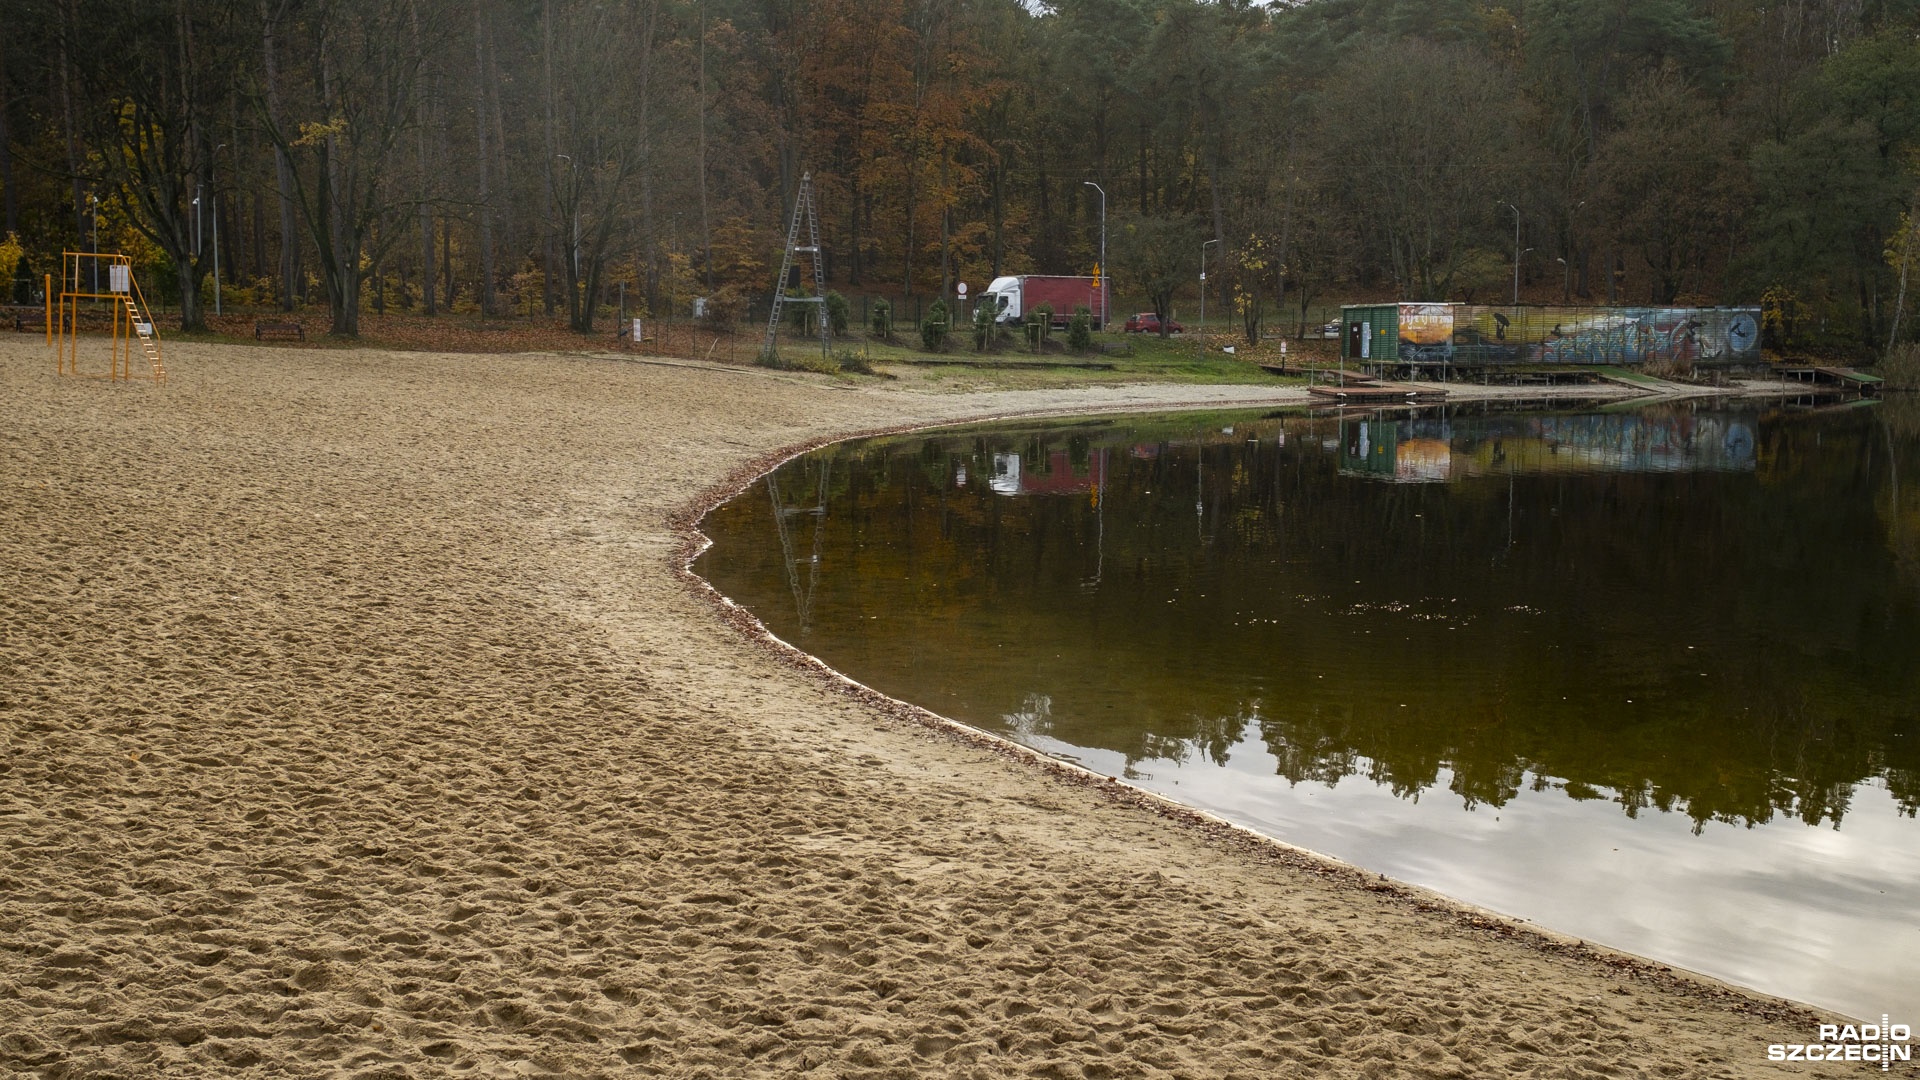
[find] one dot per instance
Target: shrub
(853, 362)
(723, 309)
(1039, 326)
(802, 316)
(933, 328)
(983, 326)
(837, 314)
(1901, 367)
(1080, 329)
(880, 322)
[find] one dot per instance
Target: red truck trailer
(1015, 296)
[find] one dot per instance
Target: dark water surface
(1647, 677)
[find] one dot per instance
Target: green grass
(1135, 358)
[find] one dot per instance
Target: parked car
(1331, 331)
(1148, 322)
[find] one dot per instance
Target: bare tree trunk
(446, 259)
(283, 164)
(12, 209)
(425, 212)
(1912, 235)
(503, 213)
(706, 228)
(946, 235)
(649, 228)
(342, 257)
(546, 168)
(83, 238)
(480, 155)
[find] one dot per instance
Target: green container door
(1370, 333)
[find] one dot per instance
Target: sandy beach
(358, 718)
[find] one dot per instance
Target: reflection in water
(1440, 449)
(1579, 625)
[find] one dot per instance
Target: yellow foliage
(312, 133)
(1904, 242)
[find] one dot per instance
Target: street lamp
(1106, 272)
(1203, 293)
(1516, 250)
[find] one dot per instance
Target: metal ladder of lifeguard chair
(802, 204)
(138, 318)
(149, 341)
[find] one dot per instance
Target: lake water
(1648, 677)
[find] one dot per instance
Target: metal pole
(1106, 272)
(1516, 251)
(216, 252)
(1203, 295)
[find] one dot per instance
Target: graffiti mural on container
(1488, 334)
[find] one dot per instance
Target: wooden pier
(1373, 393)
(1840, 379)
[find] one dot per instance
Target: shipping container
(1481, 335)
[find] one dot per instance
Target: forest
(540, 158)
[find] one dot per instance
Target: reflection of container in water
(1006, 474)
(1421, 460)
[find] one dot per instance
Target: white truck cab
(1004, 294)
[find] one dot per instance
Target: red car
(1149, 323)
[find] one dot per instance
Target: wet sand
(359, 718)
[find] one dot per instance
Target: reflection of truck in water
(1014, 297)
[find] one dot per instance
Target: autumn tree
(346, 143)
(1158, 255)
(149, 80)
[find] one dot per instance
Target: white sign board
(962, 287)
(117, 278)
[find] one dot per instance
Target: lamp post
(1203, 294)
(1566, 281)
(1106, 272)
(1516, 250)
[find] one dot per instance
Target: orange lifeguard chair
(81, 274)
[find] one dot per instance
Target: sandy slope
(355, 719)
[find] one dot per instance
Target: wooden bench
(262, 329)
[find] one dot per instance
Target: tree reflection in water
(1698, 611)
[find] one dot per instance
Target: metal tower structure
(782, 515)
(802, 207)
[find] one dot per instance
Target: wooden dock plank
(1375, 392)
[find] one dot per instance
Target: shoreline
(360, 716)
(1210, 826)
